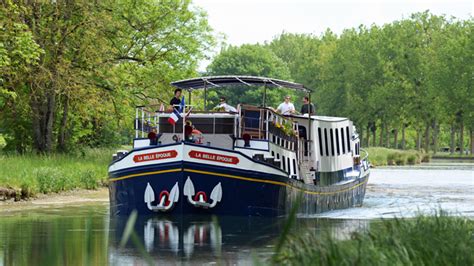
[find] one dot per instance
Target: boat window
(337, 141)
(283, 161)
(332, 141)
(207, 125)
(320, 142)
(288, 164)
(326, 141)
(342, 141)
(294, 166)
(348, 140)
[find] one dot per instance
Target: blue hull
(244, 192)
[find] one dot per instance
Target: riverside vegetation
(379, 156)
(73, 71)
(423, 240)
(24, 176)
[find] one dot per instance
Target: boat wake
(409, 191)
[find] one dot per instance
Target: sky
(257, 21)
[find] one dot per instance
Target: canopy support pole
(205, 96)
(265, 94)
(309, 125)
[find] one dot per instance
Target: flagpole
(183, 107)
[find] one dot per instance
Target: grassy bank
(382, 156)
(438, 240)
(28, 175)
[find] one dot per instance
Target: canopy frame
(233, 80)
(224, 81)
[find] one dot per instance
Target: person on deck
(188, 131)
(192, 134)
(307, 108)
(153, 137)
(176, 101)
(223, 105)
(286, 107)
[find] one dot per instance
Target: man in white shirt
(286, 108)
(223, 104)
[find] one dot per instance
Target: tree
(95, 61)
(249, 60)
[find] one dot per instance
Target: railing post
(157, 126)
(143, 118)
(205, 96)
(136, 122)
(267, 116)
(240, 121)
(213, 124)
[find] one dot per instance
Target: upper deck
(227, 130)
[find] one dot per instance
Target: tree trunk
(382, 129)
(387, 136)
(461, 138)
(19, 141)
(368, 135)
(49, 117)
(43, 107)
(427, 138)
(395, 138)
(435, 137)
(472, 142)
(38, 141)
(452, 146)
(374, 135)
(403, 137)
(418, 139)
(62, 127)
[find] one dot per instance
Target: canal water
(87, 235)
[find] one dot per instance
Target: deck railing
(259, 123)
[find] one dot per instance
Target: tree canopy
(72, 71)
(412, 76)
(250, 60)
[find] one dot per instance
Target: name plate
(140, 158)
(213, 157)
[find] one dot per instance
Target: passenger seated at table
(223, 106)
(188, 132)
(153, 137)
(192, 134)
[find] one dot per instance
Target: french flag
(176, 114)
(174, 117)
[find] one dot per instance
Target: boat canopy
(223, 81)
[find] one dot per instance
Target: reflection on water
(87, 235)
(64, 236)
(226, 240)
(409, 190)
